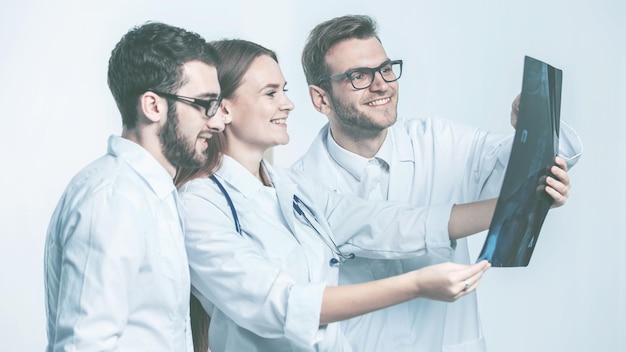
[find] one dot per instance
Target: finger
(471, 272)
(558, 197)
(515, 104)
(559, 181)
(560, 162)
(466, 285)
(560, 175)
(468, 271)
(558, 185)
(559, 170)
(515, 110)
(470, 284)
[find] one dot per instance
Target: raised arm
(470, 218)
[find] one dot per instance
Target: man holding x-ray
(363, 151)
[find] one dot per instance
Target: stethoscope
(304, 212)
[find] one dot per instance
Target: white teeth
(278, 122)
(379, 102)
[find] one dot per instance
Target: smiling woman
(258, 112)
(264, 244)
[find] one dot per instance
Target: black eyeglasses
(210, 106)
(363, 77)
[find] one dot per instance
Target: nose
(287, 104)
(379, 84)
(218, 122)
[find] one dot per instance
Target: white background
(463, 61)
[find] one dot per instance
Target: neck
(365, 145)
(150, 142)
(248, 158)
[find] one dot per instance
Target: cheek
(396, 87)
(192, 130)
(351, 99)
(236, 129)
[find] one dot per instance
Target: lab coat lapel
(402, 165)
(317, 158)
(285, 191)
(400, 180)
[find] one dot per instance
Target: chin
(283, 141)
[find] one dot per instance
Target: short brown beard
(175, 148)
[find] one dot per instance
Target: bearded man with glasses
(116, 269)
(364, 151)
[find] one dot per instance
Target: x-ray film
(523, 204)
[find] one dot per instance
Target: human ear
(226, 111)
(152, 106)
(319, 98)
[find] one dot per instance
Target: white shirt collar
(144, 163)
(354, 163)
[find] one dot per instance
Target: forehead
(200, 79)
(263, 71)
(354, 53)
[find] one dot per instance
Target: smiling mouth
(279, 121)
(205, 139)
(379, 102)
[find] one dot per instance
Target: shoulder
(436, 126)
(198, 187)
(201, 192)
(106, 179)
(104, 202)
(426, 123)
(316, 153)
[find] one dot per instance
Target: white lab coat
(263, 289)
(434, 161)
(116, 272)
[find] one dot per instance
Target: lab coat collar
(249, 186)
(285, 190)
(239, 177)
(144, 164)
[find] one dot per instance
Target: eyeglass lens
(211, 107)
(364, 77)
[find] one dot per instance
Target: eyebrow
(361, 67)
(208, 96)
(273, 86)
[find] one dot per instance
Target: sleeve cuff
(437, 235)
(304, 307)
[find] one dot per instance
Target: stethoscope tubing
(296, 206)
